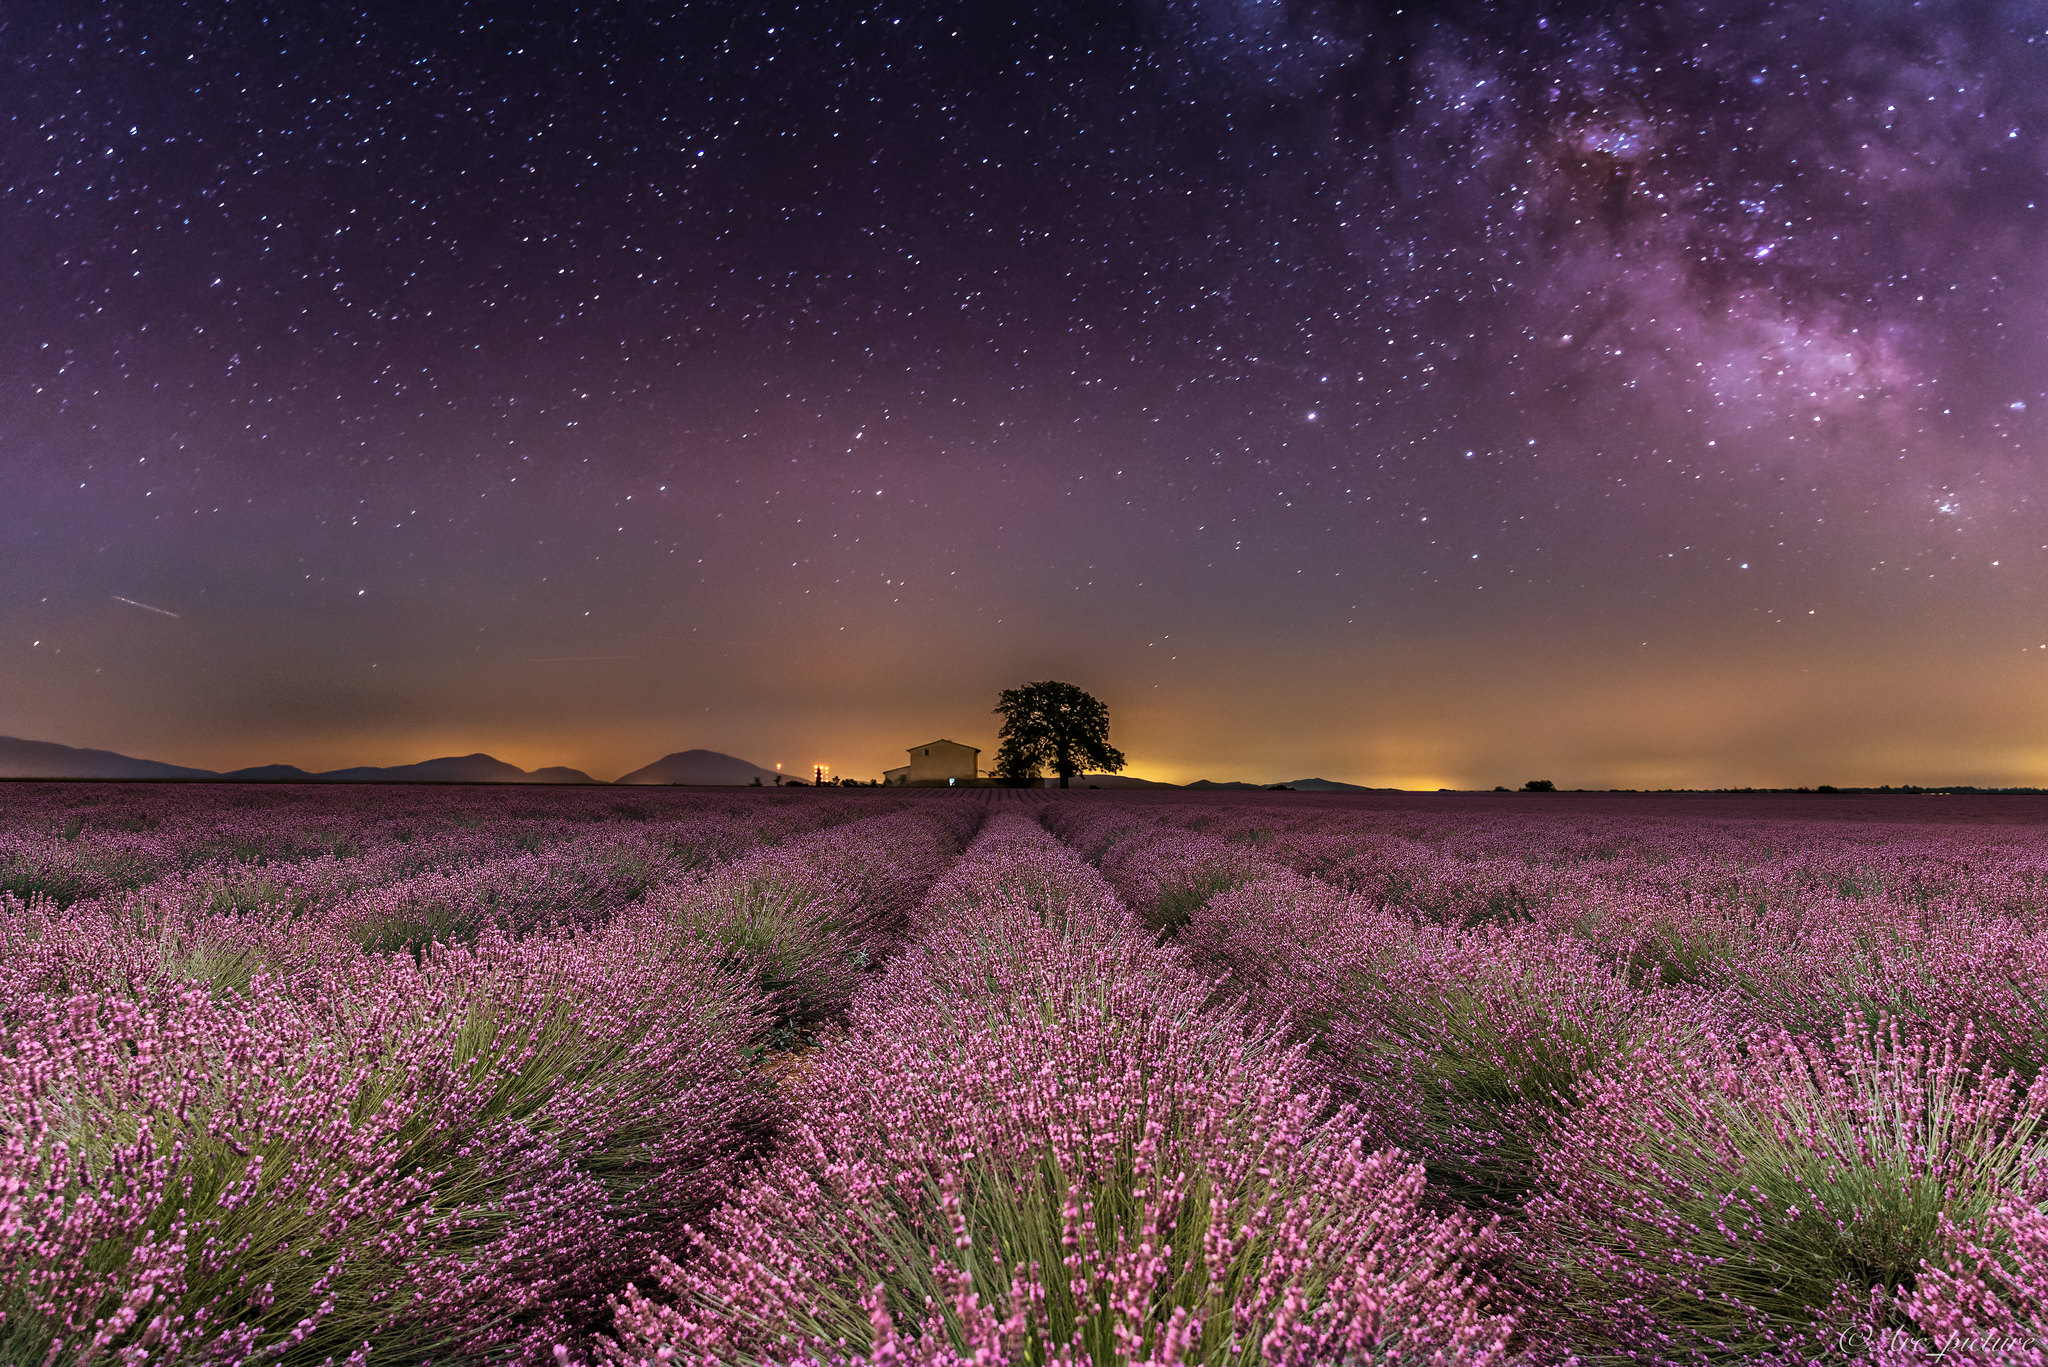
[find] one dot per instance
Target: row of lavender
(1742, 1090)
(305, 845)
(1214, 1082)
(438, 1094)
(1041, 1139)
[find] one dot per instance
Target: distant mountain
(699, 766)
(449, 769)
(1109, 781)
(558, 773)
(1301, 785)
(47, 759)
(271, 773)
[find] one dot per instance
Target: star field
(1644, 394)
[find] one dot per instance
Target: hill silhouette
(699, 766)
(47, 759)
(478, 768)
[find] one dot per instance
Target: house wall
(941, 760)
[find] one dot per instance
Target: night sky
(1450, 394)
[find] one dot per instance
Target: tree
(1053, 725)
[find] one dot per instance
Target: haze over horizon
(1629, 395)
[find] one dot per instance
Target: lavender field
(467, 1075)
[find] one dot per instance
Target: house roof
(930, 743)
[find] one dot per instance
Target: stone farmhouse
(937, 764)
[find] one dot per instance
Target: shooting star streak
(165, 612)
(574, 659)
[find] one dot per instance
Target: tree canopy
(1056, 726)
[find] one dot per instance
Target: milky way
(1637, 394)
